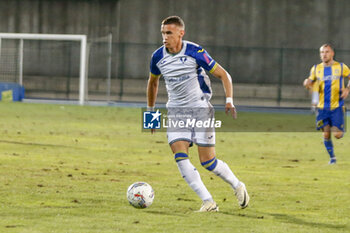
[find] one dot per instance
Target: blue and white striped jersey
(186, 81)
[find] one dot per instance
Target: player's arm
(308, 83)
(346, 74)
(345, 91)
(152, 90)
(226, 80)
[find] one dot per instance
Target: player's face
(326, 54)
(172, 35)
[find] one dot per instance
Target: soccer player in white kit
(181, 63)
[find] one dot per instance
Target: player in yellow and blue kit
(330, 76)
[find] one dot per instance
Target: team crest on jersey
(336, 71)
(183, 59)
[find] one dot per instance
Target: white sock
(224, 172)
(193, 179)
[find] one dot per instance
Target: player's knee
(210, 165)
(338, 135)
(179, 156)
(326, 135)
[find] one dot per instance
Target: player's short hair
(327, 45)
(174, 20)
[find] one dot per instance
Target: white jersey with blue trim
(187, 83)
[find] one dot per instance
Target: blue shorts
(329, 117)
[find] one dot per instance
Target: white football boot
(242, 195)
(209, 206)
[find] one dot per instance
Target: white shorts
(193, 133)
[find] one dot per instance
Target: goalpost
(52, 37)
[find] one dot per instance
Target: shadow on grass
(37, 144)
(289, 219)
(166, 213)
(294, 220)
(243, 215)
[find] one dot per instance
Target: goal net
(49, 65)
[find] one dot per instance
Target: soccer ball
(140, 195)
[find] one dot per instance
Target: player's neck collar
(173, 54)
(329, 64)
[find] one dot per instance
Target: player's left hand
(345, 93)
(230, 108)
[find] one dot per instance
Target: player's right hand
(230, 108)
(307, 83)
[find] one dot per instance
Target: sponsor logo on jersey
(207, 60)
(330, 78)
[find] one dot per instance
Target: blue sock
(329, 147)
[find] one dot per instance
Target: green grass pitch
(67, 168)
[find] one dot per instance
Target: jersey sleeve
(346, 71)
(312, 75)
(153, 66)
(204, 60)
